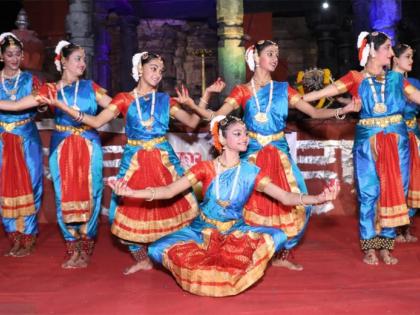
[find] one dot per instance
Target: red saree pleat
(16, 188)
(74, 163)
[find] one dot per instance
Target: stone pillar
(128, 47)
(101, 66)
(230, 48)
(79, 27)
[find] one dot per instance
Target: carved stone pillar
(79, 27)
(101, 66)
(231, 50)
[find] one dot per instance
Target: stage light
(325, 5)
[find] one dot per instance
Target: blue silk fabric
(86, 101)
(276, 123)
(32, 149)
(366, 177)
(212, 210)
(411, 111)
(135, 131)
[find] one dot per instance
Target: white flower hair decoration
(57, 60)
(136, 61)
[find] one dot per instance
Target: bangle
(153, 193)
(337, 116)
(212, 114)
(80, 116)
(301, 203)
(202, 100)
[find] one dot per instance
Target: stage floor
(334, 281)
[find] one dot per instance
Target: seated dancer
(148, 158)
(381, 149)
(20, 153)
(219, 254)
(265, 104)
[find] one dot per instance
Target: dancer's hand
(119, 186)
(183, 96)
(330, 192)
(217, 86)
(354, 106)
(52, 100)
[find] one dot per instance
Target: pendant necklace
(12, 92)
(225, 203)
(76, 91)
(148, 122)
(262, 116)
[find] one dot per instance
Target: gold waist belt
(221, 226)
(264, 140)
(411, 123)
(381, 122)
(147, 144)
(10, 126)
(75, 130)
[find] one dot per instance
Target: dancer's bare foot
(13, 250)
(387, 258)
(71, 263)
(410, 238)
(83, 260)
(400, 238)
(287, 264)
(145, 264)
(23, 251)
(370, 257)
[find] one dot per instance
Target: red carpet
(334, 281)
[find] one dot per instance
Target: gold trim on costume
(341, 87)
(411, 123)
(72, 129)
(173, 110)
(20, 224)
(409, 89)
(100, 93)
(10, 126)
(265, 139)
(221, 226)
(131, 230)
(381, 122)
(191, 177)
(232, 102)
(294, 99)
(293, 222)
(113, 108)
(394, 216)
(263, 183)
(216, 282)
(147, 144)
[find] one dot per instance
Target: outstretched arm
(22, 104)
(413, 94)
(164, 192)
(328, 91)
(293, 199)
(93, 121)
(320, 113)
(200, 109)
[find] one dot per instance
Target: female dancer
(265, 104)
(403, 63)
(148, 158)
(75, 153)
(380, 152)
(20, 153)
(219, 254)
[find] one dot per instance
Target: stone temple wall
(176, 41)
